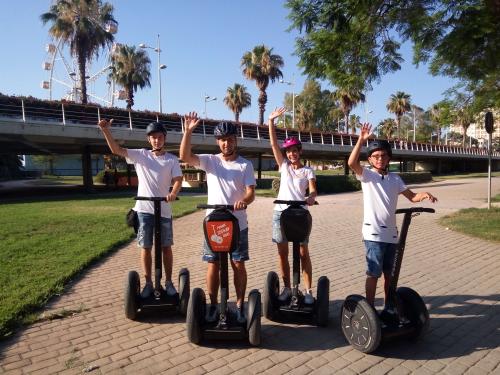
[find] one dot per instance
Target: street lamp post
(160, 67)
(414, 123)
(208, 98)
(291, 83)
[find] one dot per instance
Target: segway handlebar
(293, 203)
(414, 209)
(153, 199)
(216, 206)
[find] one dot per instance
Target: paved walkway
(457, 276)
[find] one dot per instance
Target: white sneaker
(308, 297)
(147, 291)
(170, 289)
(285, 295)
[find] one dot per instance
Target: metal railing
(69, 113)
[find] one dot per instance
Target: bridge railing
(68, 114)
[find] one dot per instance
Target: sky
(202, 42)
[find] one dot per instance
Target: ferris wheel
(64, 80)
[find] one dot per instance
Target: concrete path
(458, 277)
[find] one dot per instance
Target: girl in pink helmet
(296, 178)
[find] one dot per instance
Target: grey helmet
(224, 129)
(379, 144)
(154, 127)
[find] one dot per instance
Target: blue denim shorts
(239, 255)
(379, 257)
(145, 234)
(278, 235)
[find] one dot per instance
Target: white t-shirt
(293, 184)
(227, 182)
(380, 199)
(155, 174)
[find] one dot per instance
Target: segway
(159, 299)
(222, 231)
(404, 315)
(296, 224)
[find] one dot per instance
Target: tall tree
(131, 70)
(237, 98)
(83, 25)
(347, 99)
(318, 105)
(351, 42)
(399, 103)
(435, 113)
(464, 117)
(262, 66)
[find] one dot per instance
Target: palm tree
(237, 98)
(81, 24)
(386, 128)
(131, 70)
(399, 104)
(261, 66)
(348, 98)
(464, 117)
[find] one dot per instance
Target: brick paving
(456, 275)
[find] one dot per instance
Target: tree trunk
(346, 122)
(83, 80)
(398, 119)
(130, 98)
(237, 116)
(262, 105)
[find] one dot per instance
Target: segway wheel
(360, 324)
(322, 301)
(270, 297)
(414, 310)
(196, 315)
(132, 293)
(184, 291)
(253, 317)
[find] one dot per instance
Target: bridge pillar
(88, 183)
(259, 168)
(129, 174)
(346, 166)
(439, 166)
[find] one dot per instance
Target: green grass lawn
(477, 222)
(45, 243)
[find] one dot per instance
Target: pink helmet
(291, 141)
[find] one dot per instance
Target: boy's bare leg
(168, 259)
(371, 287)
(146, 261)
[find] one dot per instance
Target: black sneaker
(211, 315)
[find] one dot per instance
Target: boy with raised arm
(381, 189)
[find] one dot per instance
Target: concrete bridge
(30, 126)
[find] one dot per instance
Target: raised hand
(276, 113)
(366, 131)
(191, 121)
(103, 124)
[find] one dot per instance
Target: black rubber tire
(253, 317)
(360, 324)
(196, 315)
(270, 295)
(132, 293)
(414, 310)
(184, 291)
(322, 301)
